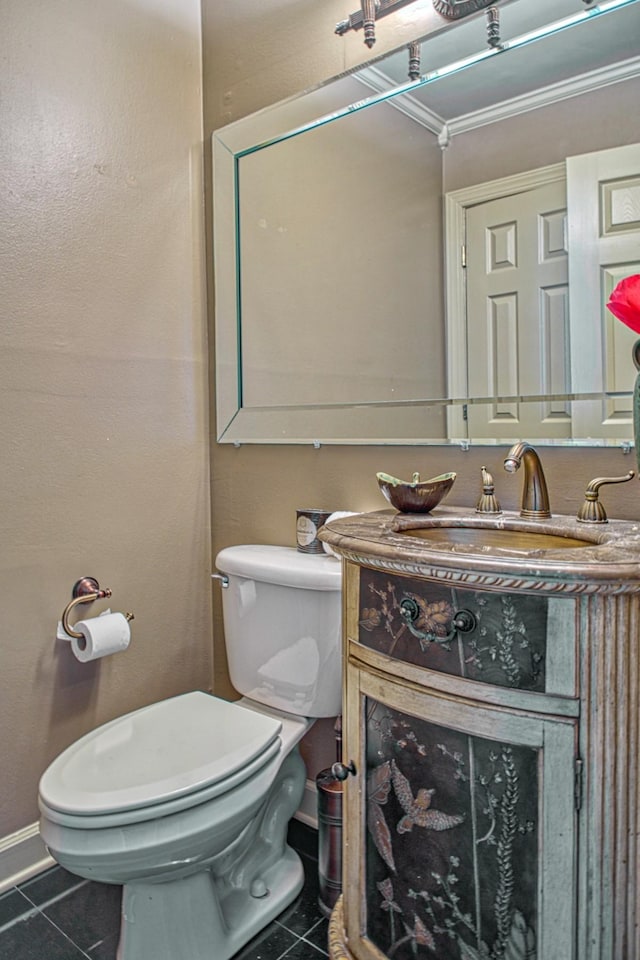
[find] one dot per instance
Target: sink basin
(513, 540)
(465, 547)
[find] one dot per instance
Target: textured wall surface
(103, 366)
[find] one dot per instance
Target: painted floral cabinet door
(462, 827)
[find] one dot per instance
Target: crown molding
(583, 83)
(375, 79)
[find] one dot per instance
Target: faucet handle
(592, 510)
(488, 502)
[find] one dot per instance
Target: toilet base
(214, 911)
(163, 921)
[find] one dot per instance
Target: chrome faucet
(535, 498)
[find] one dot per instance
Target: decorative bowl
(417, 496)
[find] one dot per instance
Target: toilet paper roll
(338, 515)
(109, 633)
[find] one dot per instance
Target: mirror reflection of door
(603, 189)
(517, 314)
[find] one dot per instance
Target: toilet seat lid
(157, 753)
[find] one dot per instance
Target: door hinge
(577, 783)
(465, 411)
(463, 256)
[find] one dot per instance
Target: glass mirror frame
(395, 423)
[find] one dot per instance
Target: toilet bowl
(186, 802)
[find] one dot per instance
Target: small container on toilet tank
(308, 522)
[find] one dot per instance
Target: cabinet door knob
(464, 621)
(341, 770)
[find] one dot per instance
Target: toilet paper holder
(85, 590)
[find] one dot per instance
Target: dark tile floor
(58, 916)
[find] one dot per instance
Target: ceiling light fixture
(372, 10)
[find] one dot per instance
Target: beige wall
(103, 369)
(256, 54)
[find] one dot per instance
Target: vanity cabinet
(491, 715)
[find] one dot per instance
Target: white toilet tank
(282, 616)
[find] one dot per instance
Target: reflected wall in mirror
(332, 319)
(332, 224)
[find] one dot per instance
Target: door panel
(517, 314)
(469, 843)
(603, 191)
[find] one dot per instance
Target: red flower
(624, 302)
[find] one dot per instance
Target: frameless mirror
(345, 309)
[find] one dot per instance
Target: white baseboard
(22, 855)
(308, 809)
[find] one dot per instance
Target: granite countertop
(609, 561)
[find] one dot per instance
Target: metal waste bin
(329, 840)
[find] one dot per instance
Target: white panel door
(517, 315)
(603, 193)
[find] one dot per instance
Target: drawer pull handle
(463, 622)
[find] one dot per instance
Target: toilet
(186, 802)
